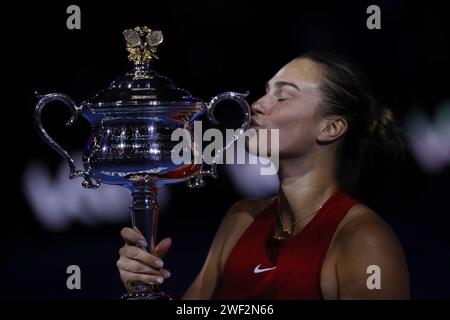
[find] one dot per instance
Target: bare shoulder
(364, 243)
(366, 227)
(248, 208)
(241, 214)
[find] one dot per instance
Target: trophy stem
(144, 217)
(145, 212)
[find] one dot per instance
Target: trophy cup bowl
(130, 144)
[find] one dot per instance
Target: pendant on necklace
(283, 235)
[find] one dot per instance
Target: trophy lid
(142, 87)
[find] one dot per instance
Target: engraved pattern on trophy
(130, 143)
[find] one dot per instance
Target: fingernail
(166, 273)
(159, 279)
(142, 243)
(158, 263)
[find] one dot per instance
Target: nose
(257, 106)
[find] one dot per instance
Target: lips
(253, 123)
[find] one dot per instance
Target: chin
(252, 147)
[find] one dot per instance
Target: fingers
(165, 273)
(142, 256)
(130, 278)
(162, 247)
(135, 266)
(133, 237)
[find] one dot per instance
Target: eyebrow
(280, 84)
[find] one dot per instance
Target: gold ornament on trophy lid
(142, 44)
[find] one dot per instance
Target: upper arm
(232, 226)
(370, 262)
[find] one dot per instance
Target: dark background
(209, 48)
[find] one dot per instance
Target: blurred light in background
(431, 138)
(249, 181)
(58, 201)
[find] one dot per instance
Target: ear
(332, 128)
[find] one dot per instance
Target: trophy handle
(89, 180)
(197, 181)
(234, 96)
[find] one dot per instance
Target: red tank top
(260, 267)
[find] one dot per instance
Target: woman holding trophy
(313, 240)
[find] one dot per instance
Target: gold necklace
(287, 231)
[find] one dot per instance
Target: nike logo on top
(259, 270)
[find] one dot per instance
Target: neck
(304, 187)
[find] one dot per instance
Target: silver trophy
(130, 141)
